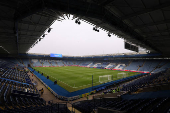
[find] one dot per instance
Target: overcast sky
(69, 38)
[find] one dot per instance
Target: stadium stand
(139, 83)
(135, 65)
(60, 63)
(104, 64)
(46, 63)
(124, 106)
(53, 63)
(84, 63)
(25, 62)
(111, 65)
(18, 94)
(11, 75)
(131, 103)
(149, 65)
(132, 65)
(36, 62)
(162, 66)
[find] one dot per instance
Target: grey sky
(69, 38)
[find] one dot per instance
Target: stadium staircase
(138, 68)
(40, 62)
(128, 64)
(79, 63)
(89, 65)
(56, 63)
(110, 64)
(74, 110)
(30, 62)
(164, 64)
(19, 61)
(95, 65)
(22, 61)
(50, 63)
(142, 65)
(159, 66)
(64, 63)
(117, 67)
(74, 62)
(162, 67)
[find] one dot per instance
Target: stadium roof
(143, 22)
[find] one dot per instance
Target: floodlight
(109, 34)
(49, 29)
(77, 21)
(43, 35)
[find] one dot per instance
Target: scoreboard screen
(56, 55)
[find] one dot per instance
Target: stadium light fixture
(49, 29)
(43, 35)
(77, 21)
(109, 34)
(96, 29)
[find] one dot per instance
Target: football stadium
(137, 81)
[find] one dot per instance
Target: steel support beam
(152, 24)
(146, 11)
(16, 34)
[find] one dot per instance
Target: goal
(105, 78)
(122, 75)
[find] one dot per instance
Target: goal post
(105, 78)
(122, 75)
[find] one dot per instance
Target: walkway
(47, 95)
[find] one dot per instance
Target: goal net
(105, 78)
(121, 75)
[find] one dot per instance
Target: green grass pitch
(76, 78)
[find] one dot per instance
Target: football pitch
(77, 78)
